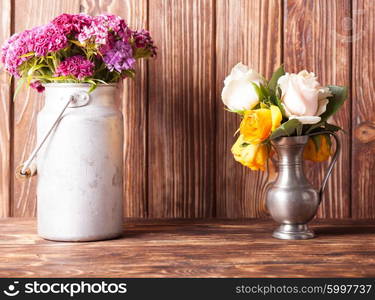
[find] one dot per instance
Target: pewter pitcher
(292, 201)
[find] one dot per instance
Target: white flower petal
(241, 71)
(324, 93)
(287, 112)
(322, 106)
(306, 119)
(239, 95)
(300, 93)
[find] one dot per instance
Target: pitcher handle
(333, 161)
(28, 168)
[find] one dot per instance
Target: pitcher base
(293, 232)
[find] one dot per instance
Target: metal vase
(79, 187)
(292, 201)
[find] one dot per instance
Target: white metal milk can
(79, 163)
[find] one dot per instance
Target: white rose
(302, 97)
(238, 93)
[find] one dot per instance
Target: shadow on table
(345, 230)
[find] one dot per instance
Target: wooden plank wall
(247, 31)
(177, 134)
(314, 38)
(363, 117)
(5, 117)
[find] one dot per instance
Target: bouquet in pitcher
(78, 160)
(289, 115)
(288, 104)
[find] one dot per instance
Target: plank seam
(215, 106)
(10, 212)
(350, 130)
(146, 212)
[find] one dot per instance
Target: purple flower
(37, 85)
(142, 39)
(120, 57)
(107, 38)
(108, 45)
(77, 66)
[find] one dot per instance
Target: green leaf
(101, 81)
(258, 91)
(130, 73)
(322, 126)
(240, 112)
(27, 54)
(35, 68)
(313, 126)
(280, 106)
(317, 141)
(286, 129)
(20, 84)
(77, 43)
(264, 90)
(92, 88)
(331, 127)
(339, 95)
(328, 139)
(272, 84)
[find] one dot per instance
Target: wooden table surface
(192, 248)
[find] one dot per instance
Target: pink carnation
(37, 85)
(40, 40)
(115, 44)
(48, 38)
(72, 24)
(142, 39)
(14, 49)
(100, 29)
(76, 66)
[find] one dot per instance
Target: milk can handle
(333, 161)
(28, 168)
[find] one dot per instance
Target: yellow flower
(311, 152)
(276, 117)
(258, 124)
(253, 156)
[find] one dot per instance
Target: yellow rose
(258, 124)
(311, 152)
(253, 156)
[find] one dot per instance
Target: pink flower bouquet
(77, 49)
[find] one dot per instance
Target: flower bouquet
(286, 105)
(76, 60)
(288, 113)
(76, 48)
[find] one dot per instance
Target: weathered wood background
(177, 134)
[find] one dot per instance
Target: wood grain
(363, 118)
(5, 116)
(179, 248)
(248, 32)
(133, 99)
(177, 134)
(27, 104)
(315, 38)
(181, 118)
